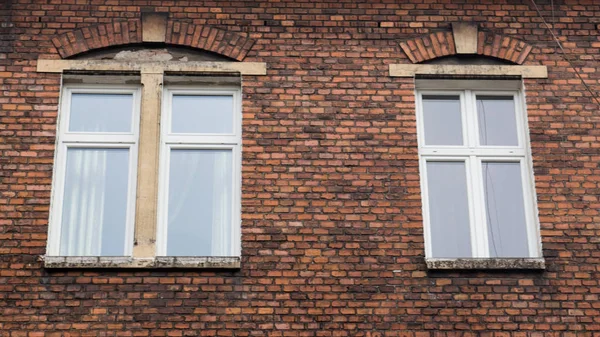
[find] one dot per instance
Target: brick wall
(332, 226)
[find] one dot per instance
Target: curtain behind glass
(200, 203)
(95, 202)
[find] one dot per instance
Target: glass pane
(200, 203)
(95, 202)
(443, 123)
(101, 112)
(497, 120)
(202, 114)
(505, 210)
(448, 209)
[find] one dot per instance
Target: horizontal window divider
(99, 144)
(194, 146)
(98, 138)
(98, 134)
(473, 152)
(205, 135)
(201, 141)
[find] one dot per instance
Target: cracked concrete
(487, 263)
(86, 262)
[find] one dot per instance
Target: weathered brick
(331, 203)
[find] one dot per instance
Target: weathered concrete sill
(149, 263)
(486, 263)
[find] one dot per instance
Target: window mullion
(480, 245)
(147, 187)
(471, 121)
(478, 224)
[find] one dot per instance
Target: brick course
(332, 225)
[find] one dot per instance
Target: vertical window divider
(147, 188)
(480, 209)
(479, 230)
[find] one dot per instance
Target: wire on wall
(564, 53)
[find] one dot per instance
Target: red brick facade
(332, 226)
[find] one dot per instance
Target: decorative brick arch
(465, 39)
(229, 44)
(502, 47)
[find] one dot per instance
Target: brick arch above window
(230, 44)
(465, 39)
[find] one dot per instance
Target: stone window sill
(75, 262)
(486, 263)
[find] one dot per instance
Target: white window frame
(102, 140)
(472, 154)
(232, 141)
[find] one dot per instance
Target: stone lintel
(244, 68)
(410, 70)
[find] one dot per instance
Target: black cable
(564, 53)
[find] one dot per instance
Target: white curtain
(179, 193)
(222, 204)
(199, 209)
(84, 197)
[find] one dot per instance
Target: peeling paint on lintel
(244, 68)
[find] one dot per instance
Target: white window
(200, 173)
(95, 175)
(476, 175)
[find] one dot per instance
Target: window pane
(448, 209)
(202, 114)
(101, 113)
(505, 209)
(497, 120)
(442, 120)
(94, 207)
(200, 203)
